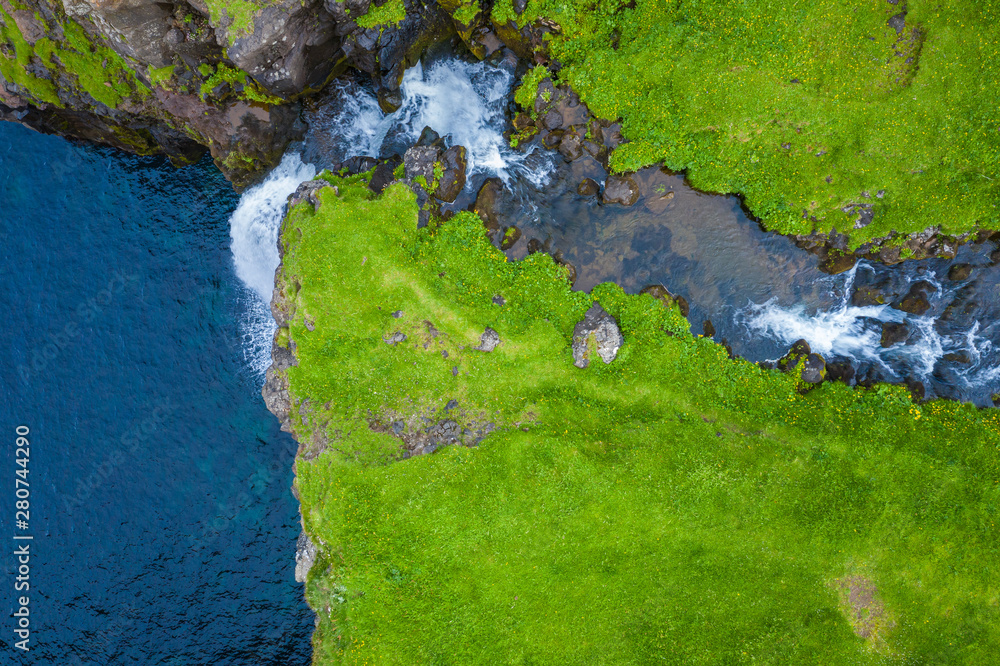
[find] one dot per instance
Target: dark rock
(621, 190)
(894, 333)
(519, 6)
(800, 347)
(452, 404)
(552, 139)
(708, 329)
(959, 272)
(429, 137)
(523, 121)
(389, 100)
(600, 326)
(961, 356)
(864, 296)
(813, 369)
(488, 341)
(499, 300)
(917, 389)
(383, 175)
(355, 165)
(915, 302)
(452, 181)
(535, 245)
(837, 262)
(486, 203)
(397, 314)
(588, 187)
(840, 371)
(510, 236)
(570, 147)
(552, 120)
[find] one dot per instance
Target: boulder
(570, 147)
(486, 203)
(959, 272)
(510, 236)
(894, 333)
(419, 163)
(488, 341)
(621, 190)
(588, 187)
(597, 332)
(916, 300)
(813, 369)
(309, 192)
(452, 181)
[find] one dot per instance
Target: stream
(760, 292)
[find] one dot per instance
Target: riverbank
(877, 122)
(490, 505)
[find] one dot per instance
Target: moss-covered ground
(803, 107)
(98, 70)
(675, 506)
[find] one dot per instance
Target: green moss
(801, 106)
(99, 71)
(528, 90)
(673, 506)
(391, 12)
(160, 76)
(503, 12)
(239, 14)
(466, 12)
(223, 74)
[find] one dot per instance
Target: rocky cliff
(224, 75)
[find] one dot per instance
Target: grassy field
(803, 107)
(675, 506)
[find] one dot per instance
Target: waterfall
(253, 227)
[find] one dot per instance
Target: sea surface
(161, 513)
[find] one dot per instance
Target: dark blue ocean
(161, 513)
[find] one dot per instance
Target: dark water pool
(164, 528)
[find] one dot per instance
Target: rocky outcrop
(598, 333)
(181, 78)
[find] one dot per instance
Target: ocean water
(162, 519)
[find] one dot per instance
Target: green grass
(707, 86)
(98, 70)
(391, 12)
(674, 506)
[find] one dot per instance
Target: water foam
(463, 102)
(253, 227)
(854, 332)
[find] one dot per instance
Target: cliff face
(178, 78)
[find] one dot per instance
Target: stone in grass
(488, 341)
(603, 328)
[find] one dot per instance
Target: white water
(855, 333)
(254, 227)
(463, 102)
